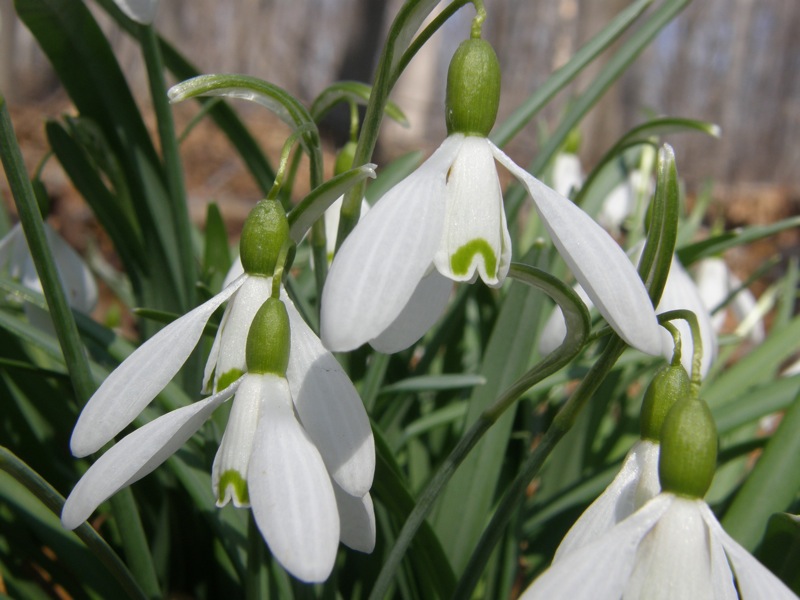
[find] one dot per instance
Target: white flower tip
(73, 514)
(370, 169)
(84, 440)
(176, 93)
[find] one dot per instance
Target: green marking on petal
(461, 259)
(228, 378)
(237, 483)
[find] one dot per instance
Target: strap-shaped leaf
(353, 92)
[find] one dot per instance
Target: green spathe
(688, 456)
(669, 385)
(265, 232)
(237, 483)
(461, 259)
(473, 89)
(268, 341)
(344, 159)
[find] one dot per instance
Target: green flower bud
(573, 142)
(669, 385)
(265, 232)
(269, 339)
(344, 160)
(688, 456)
(473, 89)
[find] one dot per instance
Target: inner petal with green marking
(228, 378)
(461, 259)
(233, 479)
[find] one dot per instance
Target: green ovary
(228, 378)
(461, 259)
(237, 483)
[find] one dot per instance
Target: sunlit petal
(597, 261)
(138, 380)
(567, 173)
(390, 250)
(291, 494)
(426, 305)
(555, 329)
(329, 408)
(356, 520)
(141, 11)
(474, 230)
(136, 455)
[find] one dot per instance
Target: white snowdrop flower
(445, 222)
(141, 11)
(567, 173)
(622, 201)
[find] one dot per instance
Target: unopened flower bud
(669, 385)
(269, 340)
(473, 89)
(688, 449)
(265, 232)
(344, 159)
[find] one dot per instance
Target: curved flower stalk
(716, 282)
(680, 292)
(271, 456)
(673, 547)
(76, 278)
(445, 222)
(141, 11)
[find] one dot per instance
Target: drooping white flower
(622, 201)
(446, 222)
(716, 283)
(331, 220)
(673, 548)
(76, 278)
(567, 173)
(680, 292)
(141, 11)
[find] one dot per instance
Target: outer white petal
(332, 215)
(142, 375)
(475, 235)
(674, 560)
(427, 304)
(136, 455)
(680, 292)
(567, 173)
(356, 520)
(236, 270)
(555, 329)
(232, 334)
(754, 580)
(290, 491)
(329, 408)
(721, 574)
(380, 264)
(597, 261)
(141, 11)
(600, 570)
(76, 278)
(237, 442)
(617, 502)
(712, 285)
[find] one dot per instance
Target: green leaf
(425, 383)
(217, 253)
(353, 92)
(779, 550)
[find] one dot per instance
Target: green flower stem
(151, 50)
(31, 219)
(477, 22)
(515, 492)
(134, 541)
(578, 325)
(676, 343)
(697, 341)
(48, 496)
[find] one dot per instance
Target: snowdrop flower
(716, 282)
(567, 173)
(269, 457)
(680, 292)
(76, 278)
(141, 11)
(637, 481)
(326, 401)
(673, 547)
(623, 199)
(445, 222)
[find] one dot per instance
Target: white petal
(136, 455)
(76, 278)
(721, 574)
(356, 520)
(233, 457)
(745, 309)
(132, 385)
(555, 329)
(290, 491)
(427, 304)
(597, 262)
(141, 11)
(232, 334)
(680, 292)
(330, 408)
(600, 570)
(475, 235)
(236, 270)
(617, 502)
(332, 215)
(712, 285)
(754, 580)
(387, 254)
(674, 560)
(567, 173)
